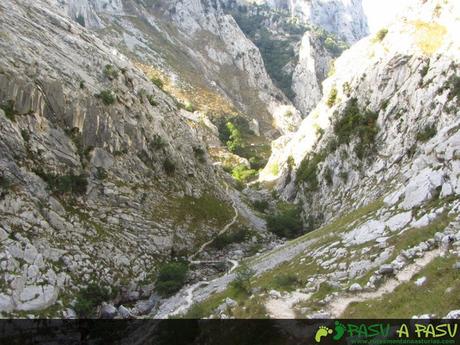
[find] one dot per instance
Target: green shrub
(187, 106)
(157, 143)
(171, 277)
(80, 20)
(235, 236)
(260, 205)
(286, 222)
(158, 82)
(74, 184)
(257, 162)
(235, 141)
(242, 281)
(328, 176)
(308, 170)
(356, 123)
(89, 298)
(110, 72)
(169, 166)
(152, 101)
(25, 135)
(286, 281)
(101, 174)
(5, 186)
(381, 34)
(107, 96)
(200, 154)
(454, 86)
(332, 98)
(242, 174)
(9, 108)
(428, 132)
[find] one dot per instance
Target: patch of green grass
(408, 299)
(413, 237)
(158, 82)
(205, 209)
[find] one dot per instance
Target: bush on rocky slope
(171, 277)
(357, 123)
(89, 298)
(286, 222)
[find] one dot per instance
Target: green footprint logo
(322, 331)
(339, 330)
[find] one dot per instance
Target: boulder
(124, 312)
(399, 221)
(386, 269)
(230, 302)
(454, 314)
(355, 287)
(421, 188)
(421, 281)
(108, 311)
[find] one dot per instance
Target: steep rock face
(311, 70)
(404, 87)
(345, 18)
(202, 52)
(99, 171)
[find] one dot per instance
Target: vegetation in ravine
(171, 277)
(89, 298)
(286, 222)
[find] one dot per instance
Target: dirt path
(339, 305)
(282, 308)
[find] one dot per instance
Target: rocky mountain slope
(111, 114)
(374, 170)
(197, 50)
(343, 18)
(102, 175)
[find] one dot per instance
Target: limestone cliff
(388, 117)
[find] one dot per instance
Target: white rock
(37, 297)
(421, 281)
(30, 254)
(399, 221)
(355, 287)
(454, 314)
(6, 303)
(421, 188)
(365, 233)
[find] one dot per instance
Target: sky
(381, 12)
